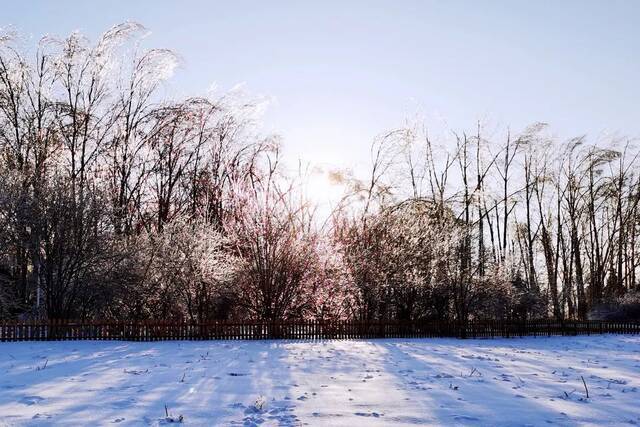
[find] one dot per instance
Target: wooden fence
(57, 330)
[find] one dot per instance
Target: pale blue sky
(343, 71)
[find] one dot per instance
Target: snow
(528, 381)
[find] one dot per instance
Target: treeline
(119, 203)
(511, 227)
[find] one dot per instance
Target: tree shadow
(335, 382)
(512, 381)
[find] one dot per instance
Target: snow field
(500, 382)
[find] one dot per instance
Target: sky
(338, 73)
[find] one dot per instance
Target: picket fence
(56, 330)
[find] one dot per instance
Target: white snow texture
(500, 382)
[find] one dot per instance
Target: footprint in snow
(31, 400)
(236, 405)
(368, 414)
(465, 418)
(40, 416)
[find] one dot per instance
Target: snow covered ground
(531, 381)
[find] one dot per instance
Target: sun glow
(326, 187)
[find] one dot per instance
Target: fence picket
(149, 330)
